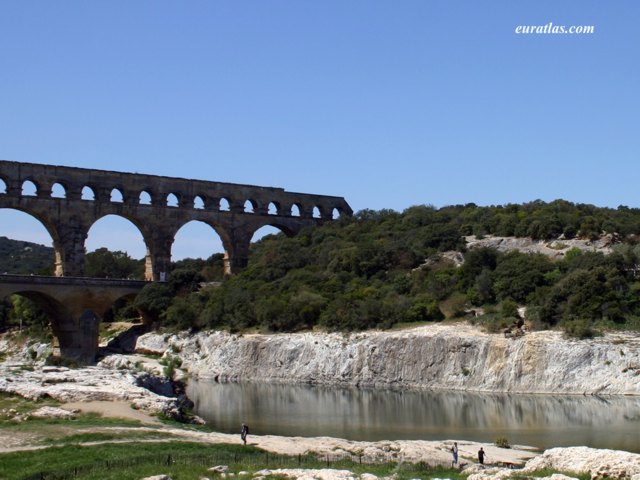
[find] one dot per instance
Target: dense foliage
(381, 268)
(24, 258)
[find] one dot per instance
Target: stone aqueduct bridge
(74, 304)
(68, 201)
(235, 211)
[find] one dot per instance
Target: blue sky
(387, 103)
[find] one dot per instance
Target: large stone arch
(144, 231)
(222, 232)
(286, 229)
(52, 230)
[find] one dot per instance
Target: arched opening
(88, 193)
(274, 208)
(26, 315)
(117, 329)
(29, 189)
(225, 206)
(250, 206)
(58, 191)
(116, 249)
(295, 210)
(172, 200)
(198, 203)
(335, 214)
(116, 196)
(3, 186)
(265, 231)
(26, 244)
(317, 213)
(197, 246)
(145, 198)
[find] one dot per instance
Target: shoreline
(123, 387)
(429, 451)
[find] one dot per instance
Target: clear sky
(387, 103)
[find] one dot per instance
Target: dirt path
(113, 409)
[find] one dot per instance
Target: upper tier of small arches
(264, 201)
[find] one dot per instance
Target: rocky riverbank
(445, 357)
(137, 380)
(439, 357)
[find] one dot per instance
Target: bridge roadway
(75, 306)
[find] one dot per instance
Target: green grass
(182, 461)
(80, 421)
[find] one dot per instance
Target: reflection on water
(538, 420)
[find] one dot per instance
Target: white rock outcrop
(459, 357)
(555, 249)
(82, 385)
(600, 463)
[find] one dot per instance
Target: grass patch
(23, 405)
(182, 460)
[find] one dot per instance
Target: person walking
(481, 455)
(244, 432)
(454, 452)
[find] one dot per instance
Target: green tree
(518, 274)
(153, 300)
(102, 263)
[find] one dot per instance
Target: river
(541, 421)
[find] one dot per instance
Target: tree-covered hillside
(381, 268)
(24, 258)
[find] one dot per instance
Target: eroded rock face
(433, 357)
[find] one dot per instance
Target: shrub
(494, 323)
(578, 328)
(502, 442)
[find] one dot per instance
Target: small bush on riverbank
(502, 442)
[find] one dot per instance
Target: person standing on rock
(244, 432)
(454, 452)
(481, 455)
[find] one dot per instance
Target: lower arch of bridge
(74, 325)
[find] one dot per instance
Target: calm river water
(360, 414)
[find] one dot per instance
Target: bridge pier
(70, 248)
(77, 338)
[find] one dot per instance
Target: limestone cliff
(458, 357)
